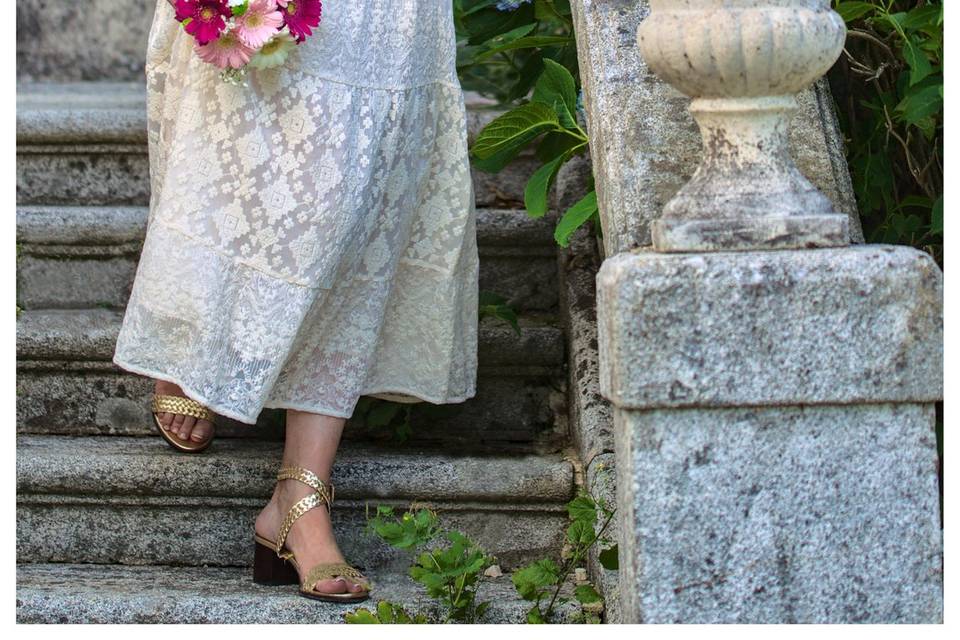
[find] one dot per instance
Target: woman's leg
(312, 441)
(184, 427)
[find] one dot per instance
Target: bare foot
(311, 538)
(184, 427)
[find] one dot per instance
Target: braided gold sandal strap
(180, 406)
(329, 570)
(296, 511)
(312, 480)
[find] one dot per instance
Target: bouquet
(232, 34)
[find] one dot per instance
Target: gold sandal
(273, 564)
(184, 407)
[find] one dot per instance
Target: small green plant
(450, 573)
(383, 414)
(495, 306)
(541, 582)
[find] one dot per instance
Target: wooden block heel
(270, 569)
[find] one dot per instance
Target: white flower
(275, 52)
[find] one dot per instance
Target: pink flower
(300, 15)
(206, 18)
(259, 23)
(226, 51)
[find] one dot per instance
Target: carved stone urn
(743, 62)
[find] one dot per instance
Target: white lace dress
(311, 236)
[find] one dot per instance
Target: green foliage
(450, 573)
(502, 53)
(495, 306)
(541, 581)
(889, 89)
(386, 613)
(526, 54)
(383, 414)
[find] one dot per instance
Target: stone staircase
(142, 534)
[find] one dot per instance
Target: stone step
(67, 384)
(114, 500)
(82, 257)
(84, 143)
(76, 594)
(135, 501)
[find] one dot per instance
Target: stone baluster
(773, 409)
(743, 62)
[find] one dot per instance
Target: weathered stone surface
(58, 39)
(782, 515)
(515, 411)
(824, 326)
(182, 595)
(116, 466)
(129, 500)
(90, 334)
(644, 142)
(219, 532)
(677, 235)
(85, 144)
(81, 257)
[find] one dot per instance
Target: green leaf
(936, 217)
(610, 558)
(851, 11)
(920, 66)
(534, 616)
(530, 580)
(557, 88)
(575, 217)
(381, 414)
(514, 129)
(361, 616)
(537, 191)
(581, 532)
(586, 594)
(926, 16)
(583, 507)
(921, 103)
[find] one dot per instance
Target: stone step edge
(98, 466)
(164, 594)
(91, 335)
(116, 113)
(42, 228)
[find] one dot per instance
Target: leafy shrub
(510, 48)
(889, 90)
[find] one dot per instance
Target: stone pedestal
(774, 430)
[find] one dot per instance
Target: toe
(187, 428)
(166, 419)
(331, 586)
(177, 424)
(201, 431)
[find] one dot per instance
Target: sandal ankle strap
(321, 495)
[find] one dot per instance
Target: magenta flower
(207, 18)
(259, 23)
(300, 15)
(226, 51)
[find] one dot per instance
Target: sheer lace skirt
(311, 235)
